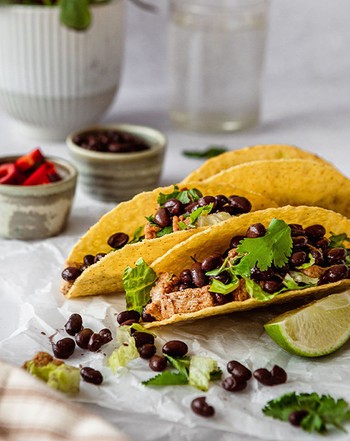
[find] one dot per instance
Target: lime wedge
(316, 329)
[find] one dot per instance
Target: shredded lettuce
(200, 372)
(126, 351)
(137, 283)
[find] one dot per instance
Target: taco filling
(260, 265)
(182, 209)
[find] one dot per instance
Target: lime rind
(314, 330)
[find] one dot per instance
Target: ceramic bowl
(37, 211)
(116, 177)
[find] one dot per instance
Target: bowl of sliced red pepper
(36, 195)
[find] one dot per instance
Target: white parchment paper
(36, 310)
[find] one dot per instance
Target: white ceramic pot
(54, 79)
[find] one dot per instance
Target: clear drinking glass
(216, 54)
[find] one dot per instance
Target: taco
(270, 256)
(292, 182)
(148, 226)
(248, 154)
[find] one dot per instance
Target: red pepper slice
(31, 160)
(39, 176)
(9, 174)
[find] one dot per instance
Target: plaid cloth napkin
(30, 410)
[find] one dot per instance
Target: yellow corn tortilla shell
(292, 182)
(248, 154)
(105, 276)
(216, 239)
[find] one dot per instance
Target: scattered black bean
(82, 338)
(71, 273)
(118, 240)
(143, 338)
(106, 335)
(238, 370)
(175, 348)
(63, 348)
(295, 418)
(279, 375)
(130, 314)
(147, 317)
(158, 363)
(234, 384)
(95, 342)
(74, 324)
(256, 230)
(147, 351)
(199, 278)
(263, 376)
(91, 375)
(201, 407)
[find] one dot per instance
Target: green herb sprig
(210, 152)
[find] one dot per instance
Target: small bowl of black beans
(117, 161)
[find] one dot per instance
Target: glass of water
(216, 54)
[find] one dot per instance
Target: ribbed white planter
(52, 79)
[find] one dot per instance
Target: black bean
(147, 351)
(191, 207)
(256, 230)
(91, 375)
(201, 407)
(315, 231)
(118, 240)
(223, 277)
(175, 348)
(206, 200)
(74, 324)
(272, 286)
(295, 418)
(199, 278)
(183, 286)
(162, 218)
(234, 384)
(211, 262)
(143, 338)
(89, 259)
(221, 299)
(279, 375)
(95, 342)
(334, 274)
(99, 256)
(238, 370)
(316, 254)
(221, 200)
(174, 206)
(63, 348)
(336, 255)
(322, 243)
(71, 273)
(235, 241)
(263, 376)
(259, 275)
(299, 242)
(158, 363)
(129, 323)
(186, 276)
(296, 230)
(83, 337)
(240, 204)
(106, 335)
(297, 258)
(128, 315)
(147, 317)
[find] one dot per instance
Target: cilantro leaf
(167, 378)
(185, 196)
(206, 209)
(322, 411)
(164, 231)
(337, 240)
(272, 249)
(182, 364)
(138, 236)
(210, 152)
(137, 283)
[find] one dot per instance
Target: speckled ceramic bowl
(37, 211)
(116, 177)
